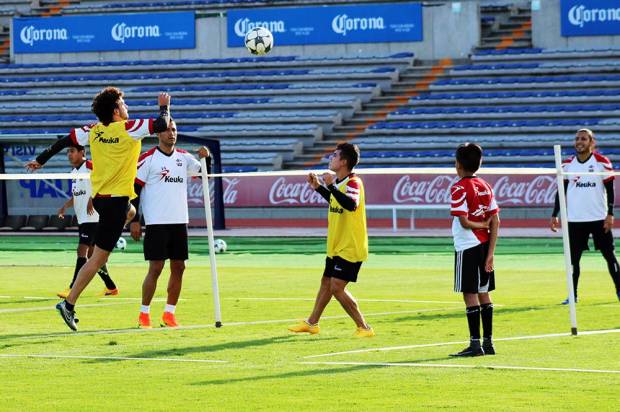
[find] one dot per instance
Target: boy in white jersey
(161, 184)
(347, 239)
(474, 227)
(87, 219)
(589, 205)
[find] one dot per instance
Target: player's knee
(155, 268)
(177, 267)
(336, 288)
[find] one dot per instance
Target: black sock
(486, 314)
(105, 276)
(473, 320)
(81, 261)
(69, 306)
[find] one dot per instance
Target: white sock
(170, 308)
(145, 308)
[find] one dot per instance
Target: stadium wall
(448, 32)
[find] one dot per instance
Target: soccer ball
(259, 41)
(219, 246)
(121, 244)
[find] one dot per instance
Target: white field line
(124, 298)
(226, 324)
(121, 358)
(427, 345)
(438, 365)
(358, 299)
(50, 308)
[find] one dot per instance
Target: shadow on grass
(295, 374)
(455, 313)
(164, 353)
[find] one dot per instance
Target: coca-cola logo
(434, 191)
(195, 192)
(540, 190)
(284, 192)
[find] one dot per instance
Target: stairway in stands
(5, 44)
(507, 26)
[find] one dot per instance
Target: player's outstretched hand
(554, 224)
(313, 180)
(328, 178)
(90, 208)
(135, 228)
(33, 165)
(163, 99)
(61, 213)
(203, 152)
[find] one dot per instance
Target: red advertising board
(414, 189)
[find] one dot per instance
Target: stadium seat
(35, 223)
(13, 223)
(56, 224)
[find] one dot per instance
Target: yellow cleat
(304, 327)
(144, 321)
(64, 293)
(364, 333)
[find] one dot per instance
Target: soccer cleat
(67, 315)
(364, 333)
(487, 347)
(64, 293)
(168, 320)
(304, 327)
(471, 350)
(144, 321)
(566, 301)
(109, 292)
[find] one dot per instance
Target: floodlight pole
(565, 240)
(214, 283)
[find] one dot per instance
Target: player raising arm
(115, 144)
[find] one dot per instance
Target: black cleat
(67, 315)
(488, 348)
(471, 350)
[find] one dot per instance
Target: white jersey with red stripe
(82, 191)
(164, 177)
(471, 197)
(586, 198)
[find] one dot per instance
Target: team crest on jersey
(179, 162)
(164, 173)
(591, 168)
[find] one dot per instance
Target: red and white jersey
(586, 198)
(474, 198)
(82, 191)
(164, 177)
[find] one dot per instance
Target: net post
(557, 149)
(207, 203)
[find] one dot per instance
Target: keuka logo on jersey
(99, 138)
(77, 193)
(170, 179)
(335, 209)
(585, 184)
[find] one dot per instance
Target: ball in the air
(121, 243)
(259, 41)
(219, 246)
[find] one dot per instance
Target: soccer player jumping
(474, 227)
(347, 239)
(115, 144)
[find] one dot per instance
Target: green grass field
(253, 363)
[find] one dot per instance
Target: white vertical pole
(565, 240)
(394, 220)
(214, 284)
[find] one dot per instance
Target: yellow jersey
(114, 150)
(347, 236)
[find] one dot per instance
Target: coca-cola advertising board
(414, 189)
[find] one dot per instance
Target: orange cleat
(144, 321)
(168, 320)
(110, 292)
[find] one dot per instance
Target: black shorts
(340, 268)
(163, 242)
(86, 233)
(469, 273)
(579, 233)
(112, 214)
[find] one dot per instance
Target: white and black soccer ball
(219, 246)
(259, 41)
(121, 243)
